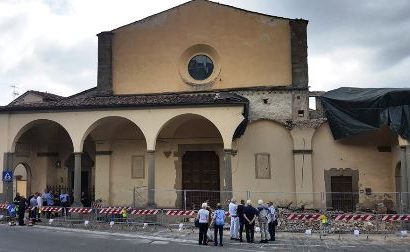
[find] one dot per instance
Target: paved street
(59, 239)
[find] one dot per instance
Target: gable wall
(252, 49)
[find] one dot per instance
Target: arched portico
(115, 143)
(192, 148)
(39, 147)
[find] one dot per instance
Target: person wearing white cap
(233, 208)
(263, 218)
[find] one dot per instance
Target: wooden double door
(200, 178)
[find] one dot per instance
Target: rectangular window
(138, 167)
(262, 165)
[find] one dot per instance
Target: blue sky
(50, 45)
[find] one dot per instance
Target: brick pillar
(300, 77)
(104, 74)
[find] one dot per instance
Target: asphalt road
(57, 239)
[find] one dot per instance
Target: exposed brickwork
(300, 76)
(104, 75)
(273, 105)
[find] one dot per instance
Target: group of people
(242, 215)
(36, 201)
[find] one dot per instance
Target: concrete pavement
(44, 238)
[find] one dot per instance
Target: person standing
(203, 218)
(64, 201)
(49, 197)
(239, 211)
(33, 207)
(249, 215)
(39, 205)
(233, 207)
(263, 217)
(273, 222)
(219, 222)
(22, 210)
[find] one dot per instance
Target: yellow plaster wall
(358, 153)
(265, 137)
(252, 49)
(121, 183)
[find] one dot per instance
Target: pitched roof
(90, 99)
(43, 95)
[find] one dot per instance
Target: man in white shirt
(203, 218)
(39, 205)
(233, 207)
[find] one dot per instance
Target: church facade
(202, 96)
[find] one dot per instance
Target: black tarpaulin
(351, 111)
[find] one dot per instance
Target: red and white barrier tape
(304, 217)
(114, 210)
(51, 209)
(396, 217)
(81, 210)
(3, 206)
(145, 212)
(354, 217)
(180, 213)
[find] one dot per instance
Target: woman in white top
(203, 218)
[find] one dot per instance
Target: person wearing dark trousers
(240, 209)
(22, 210)
(219, 222)
(273, 222)
(203, 218)
(249, 215)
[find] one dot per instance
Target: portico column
(151, 177)
(228, 173)
(77, 179)
(8, 186)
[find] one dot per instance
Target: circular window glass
(200, 67)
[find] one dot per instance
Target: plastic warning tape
(145, 212)
(3, 206)
(113, 210)
(353, 217)
(51, 209)
(80, 210)
(396, 217)
(304, 217)
(180, 213)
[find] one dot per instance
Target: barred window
(262, 165)
(138, 168)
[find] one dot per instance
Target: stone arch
(32, 124)
(100, 121)
(184, 117)
(17, 170)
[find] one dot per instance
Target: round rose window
(200, 67)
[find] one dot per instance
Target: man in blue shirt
(64, 200)
(49, 198)
(249, 214)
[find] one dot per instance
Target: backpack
(219, 217)
(263, 214)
